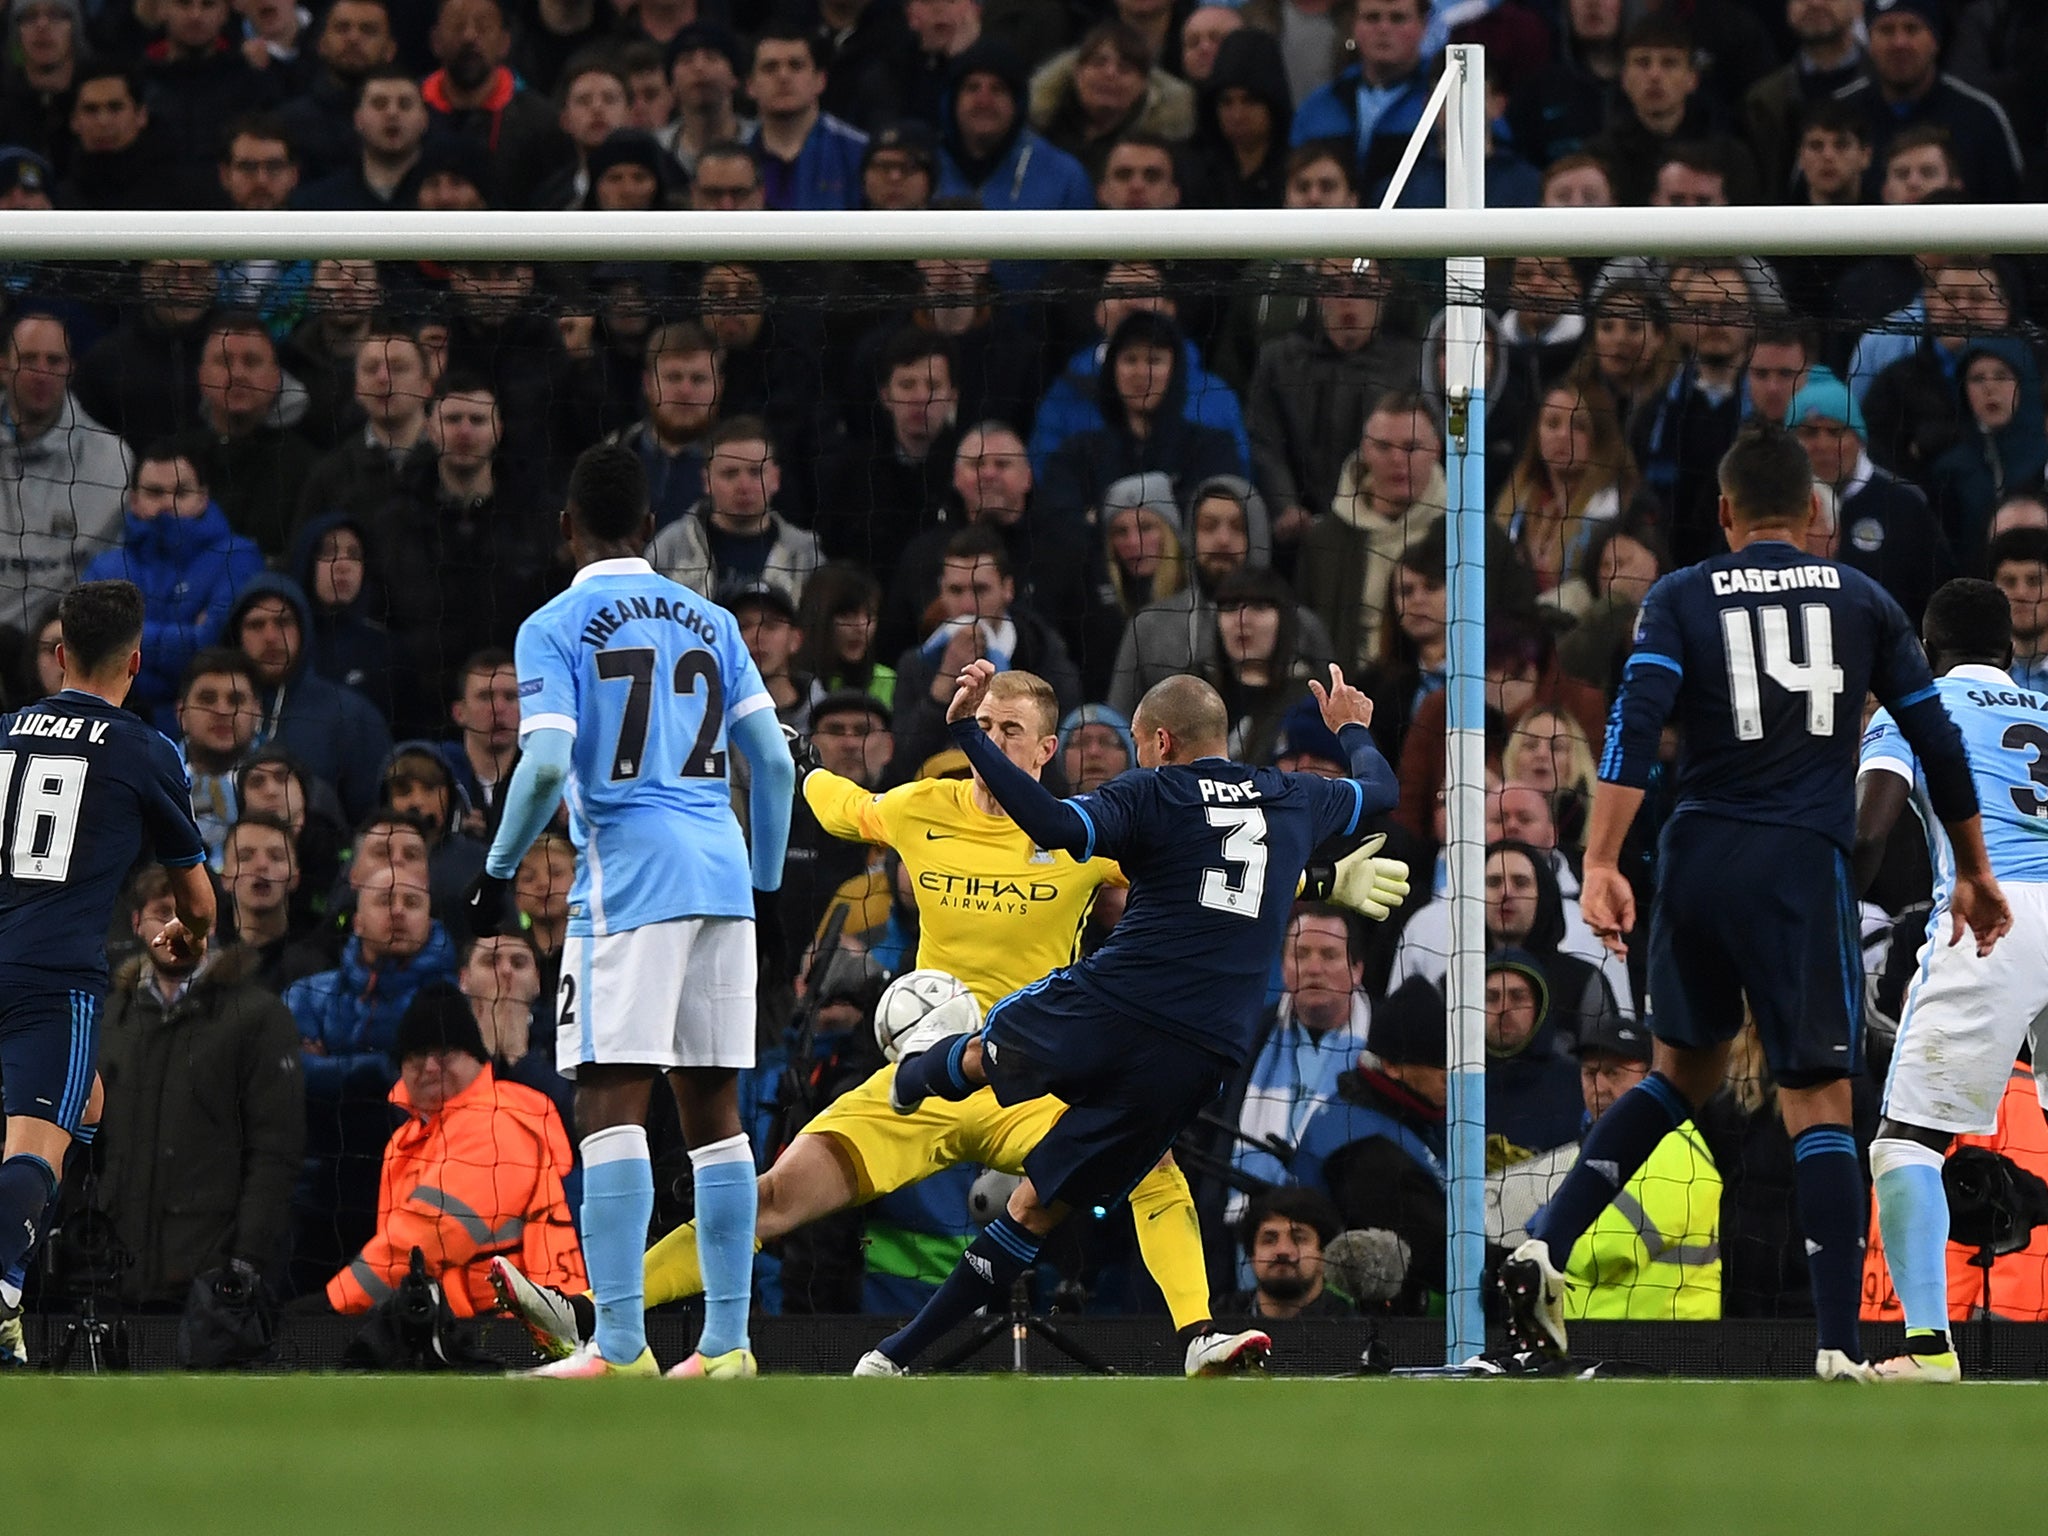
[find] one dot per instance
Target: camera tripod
(105, 1344)
(1022, 1324)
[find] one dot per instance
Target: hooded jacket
(1249, 60)
(1024, 171)
(206, 1124)
(1091, 461)
(1533, 1102)
(1167, 108)
(1983, 468)
(333, 731)
(1579, 994)
(1380, 1151)
(522, 130)
(189, 570)
(1178, 633)
(1075, 403)
(1307, 407)
(1347, 558)
(60, 506)
(479, 1178)
(455, 859)
(348, 646)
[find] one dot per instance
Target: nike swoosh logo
(932, 837)
(1155, 1215)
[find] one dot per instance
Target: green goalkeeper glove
(1362, 881)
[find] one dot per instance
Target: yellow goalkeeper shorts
(890, 1151)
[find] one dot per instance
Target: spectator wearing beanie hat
(1095, 746)
(474, 1173)
(26, 179)
(628, 172)
(1903, 86)
(45, 39)
(1378, 1148)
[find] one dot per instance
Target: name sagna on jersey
(1793, 578)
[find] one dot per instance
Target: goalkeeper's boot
(1934, 1360)
(587, 1364)
(545, 1313)
(1228, 1354)
(733, 1365)
(1836, 1365)
(875, 1363)
(1534, 1293)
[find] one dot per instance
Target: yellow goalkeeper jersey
(994, 909)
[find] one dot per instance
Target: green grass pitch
(986, 1457)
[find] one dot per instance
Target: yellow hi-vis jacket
(1654, 1255)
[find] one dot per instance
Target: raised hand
(1341, 703)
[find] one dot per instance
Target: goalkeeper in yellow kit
(998, 913)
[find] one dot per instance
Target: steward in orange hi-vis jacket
(475, 1172)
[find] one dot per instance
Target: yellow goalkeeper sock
(1170, 1239)
(669, 1271)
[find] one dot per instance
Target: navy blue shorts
(1129, 1089)
(49, 1049)
(1767, 915)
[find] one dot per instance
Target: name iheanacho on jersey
(1791, 578)
(606, 621)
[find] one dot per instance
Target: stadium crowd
(337, 484)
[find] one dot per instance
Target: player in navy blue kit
(1141, 1035)
(1763, 655)
(86, 790)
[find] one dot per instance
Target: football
(932, 1003)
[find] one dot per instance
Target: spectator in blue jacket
(810, 160)
(1142, 395)
(1073, 405)
(989, 151)
(334, 732)
(348, 1019)
(1376, 103)
(178, 548)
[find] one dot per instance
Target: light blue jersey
(647, 676)
(2005, 728)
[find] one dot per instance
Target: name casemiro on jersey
(1795, 578)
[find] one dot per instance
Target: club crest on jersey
(1039, 855)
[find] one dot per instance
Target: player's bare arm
(1606, 899)
(182, 941)
(1881, 798)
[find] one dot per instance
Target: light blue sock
(724, 1177)
(1912, 1213)
(618, 1203)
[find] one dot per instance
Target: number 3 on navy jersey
(1817, 677)
(38, 844)
(1241, 888)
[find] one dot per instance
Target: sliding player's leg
(1130, 1092)
(1162, 1209)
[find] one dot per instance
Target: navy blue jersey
(86, 790)
(1213, 850)
(1764, 655)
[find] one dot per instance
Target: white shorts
(673, 994)
(1965, 1019)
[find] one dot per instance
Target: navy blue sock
(936, 1073)
(27, 1188)
(1832, 1217)
(983, 1277)
(1620, 1142)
